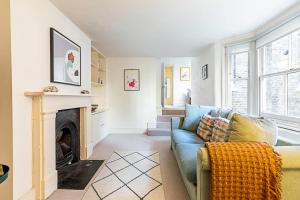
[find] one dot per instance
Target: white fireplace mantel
(45, 105)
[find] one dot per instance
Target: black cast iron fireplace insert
(67, 137)
(72, 173)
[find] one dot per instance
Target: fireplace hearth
(67, 137)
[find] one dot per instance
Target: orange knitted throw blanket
(244, 170)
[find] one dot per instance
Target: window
(280, 76)
(238, 68)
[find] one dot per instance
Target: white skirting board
(30, 195)
(127, 131)
(50, 183)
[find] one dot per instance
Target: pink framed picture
(131, 79)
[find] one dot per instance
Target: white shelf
(97, 84)
(41, 93)
(99, 111)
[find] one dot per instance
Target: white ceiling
(166, 27)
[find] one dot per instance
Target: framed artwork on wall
(204, 72)
(131, 79)
(185, 73)
(65, 59)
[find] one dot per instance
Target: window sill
(290, 121)
(289, 136)
(288, 128)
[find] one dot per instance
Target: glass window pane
(240, 95)
(296, 49)
(277, 56)
(239, 65)
(273, 95)
(294, 94)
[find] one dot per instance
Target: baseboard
(100, 139)
(89, 150)
(50, 183)
(127, 131)
(30, 195)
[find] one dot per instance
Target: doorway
(168, 86)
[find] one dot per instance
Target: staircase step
(166, 118)
(166, 125)
(158, 132)
(173, 111)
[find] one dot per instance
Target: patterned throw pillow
(220, 112)
(205, 127)
(193, 115)
(220, 130)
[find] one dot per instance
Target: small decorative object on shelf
(94, 107)
(50, 88)
(85, 92)
(3, 173)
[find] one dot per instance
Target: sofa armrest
(203, 174)
(176, 122)
(203, 158)
(290, 156)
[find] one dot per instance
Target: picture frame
(131, 80)
(65, 59)
(205, 72)
(185, 73)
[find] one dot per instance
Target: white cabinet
(99, 126)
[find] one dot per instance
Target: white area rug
(131, 175)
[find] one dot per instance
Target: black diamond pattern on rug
(128, 175)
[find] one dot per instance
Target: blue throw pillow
(193, 115)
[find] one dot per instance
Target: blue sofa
(185, 145)
(193, 162)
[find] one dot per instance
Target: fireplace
(67, 129)
(46, 108)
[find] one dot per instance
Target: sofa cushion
(205, 127)
(220, 112)
(187, 155)
(193, 114)
(246, 128)
(219, 133)
(182, 136)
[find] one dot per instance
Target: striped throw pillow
(219, 133)
(205, 127)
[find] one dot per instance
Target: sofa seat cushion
(187, 155)
(183, 136)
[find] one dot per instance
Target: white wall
(129, 111)
(31, 21)
(179, 87)
(208, 91)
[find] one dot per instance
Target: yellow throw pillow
(244, 128)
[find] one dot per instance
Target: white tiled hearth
(44, 109)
